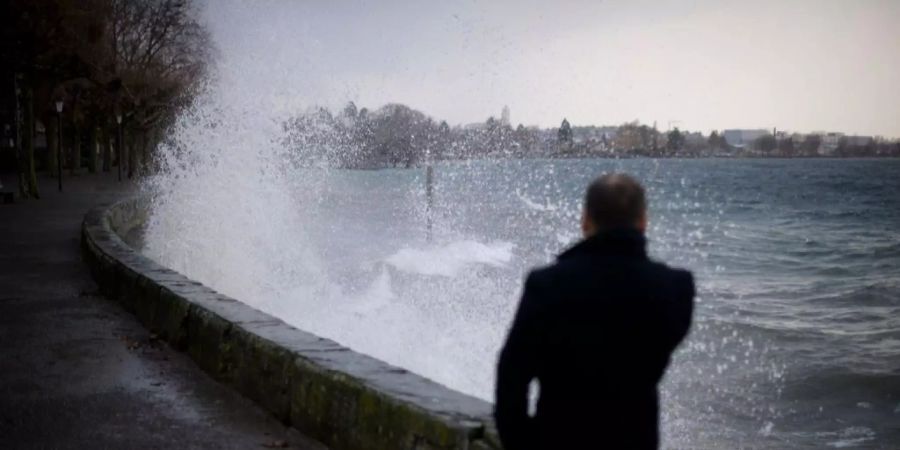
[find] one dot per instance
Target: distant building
(743, 138)
(591, 134)
(694, 139)
(830, 142)
(859, 141)
(504, 116)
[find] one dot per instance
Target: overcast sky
(801, 65)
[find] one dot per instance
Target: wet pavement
(76, 370)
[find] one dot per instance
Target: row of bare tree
(101, 62)
(396, 135)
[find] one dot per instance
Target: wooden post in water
(429, 195)
(429, 198)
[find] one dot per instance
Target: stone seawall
(344, 399)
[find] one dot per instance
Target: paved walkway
(76, 370)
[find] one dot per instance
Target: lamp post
(119, 145)
(59, 108)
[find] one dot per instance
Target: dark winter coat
(596, 331)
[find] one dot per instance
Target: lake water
(796, 339)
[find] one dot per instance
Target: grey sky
(801, 65)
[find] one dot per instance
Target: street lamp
(119, 145)
(59, 108)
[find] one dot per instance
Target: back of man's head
(614, 201)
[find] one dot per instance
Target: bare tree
(139, 57)
(159, 52)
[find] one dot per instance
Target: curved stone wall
(344, 399)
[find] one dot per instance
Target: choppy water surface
(796, 341)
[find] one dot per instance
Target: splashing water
(345, 254)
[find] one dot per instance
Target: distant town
(397, 135)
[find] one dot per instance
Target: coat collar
(621, 242)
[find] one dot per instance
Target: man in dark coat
(595, 330)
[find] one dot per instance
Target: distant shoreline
(719, 157)
(422, 165)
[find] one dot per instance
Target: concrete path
(76, 370)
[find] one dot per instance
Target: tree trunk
(152, 147)
(51, 127)
(132, 155)
(75, 155)
(123, 153)
(17, 129)
(145, 153)
(119, 153)
(107, 150)
(92, 148)
(28, 177)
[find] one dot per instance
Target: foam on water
(450, 259)
(535, 205)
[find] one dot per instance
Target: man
(595, 330)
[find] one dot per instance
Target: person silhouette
(595, 330)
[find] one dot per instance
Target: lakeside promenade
(78, 371)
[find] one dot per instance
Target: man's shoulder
(575, 264)
(550, 272)
(675, 272)
(673, 280)
(541, 275)
(565, 270)
(551, 278)
(680, 277)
